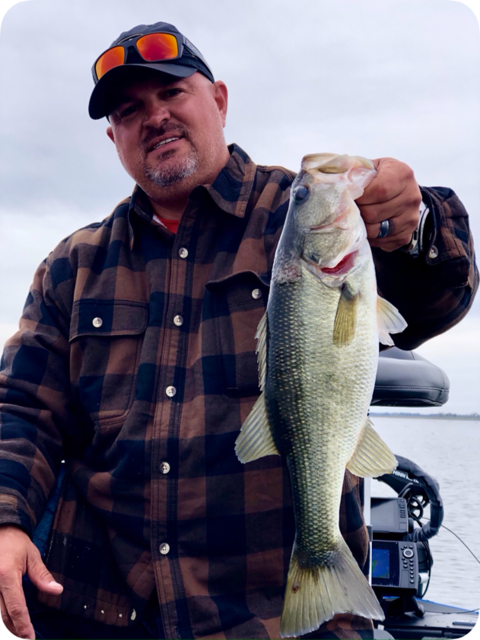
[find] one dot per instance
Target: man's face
(169, 136)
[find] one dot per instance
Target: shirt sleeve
(435, 291)
(34, 405)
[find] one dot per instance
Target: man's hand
(18, 555)
(392, 195)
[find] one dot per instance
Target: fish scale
(317, 354)
(306, 393)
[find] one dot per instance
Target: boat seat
(406, 379)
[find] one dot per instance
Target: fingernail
(52, 583)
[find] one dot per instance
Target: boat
(401, 558)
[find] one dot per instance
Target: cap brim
(107, 89)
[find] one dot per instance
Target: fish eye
(301, 193)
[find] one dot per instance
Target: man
(135, 364)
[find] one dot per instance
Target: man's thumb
(40, 575)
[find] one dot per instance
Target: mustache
(178, 129)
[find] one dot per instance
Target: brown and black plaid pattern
(135, 349)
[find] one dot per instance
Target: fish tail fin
(315, 594)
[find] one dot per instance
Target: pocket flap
(246, 276)
(108, 318)
(240, 290)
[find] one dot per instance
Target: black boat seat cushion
(406, 379)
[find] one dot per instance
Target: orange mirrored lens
(157, 46)
(110, 59)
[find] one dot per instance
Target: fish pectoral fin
(372, 457)
(389, 321)
(255, 439)
(345, 318)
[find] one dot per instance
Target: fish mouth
(345, 264)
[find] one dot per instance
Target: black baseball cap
(110, 84)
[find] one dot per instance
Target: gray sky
(395, 78)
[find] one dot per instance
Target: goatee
(165, 176)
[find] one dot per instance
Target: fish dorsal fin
(372, 457)
(261, 350)
(389, 321)
(255, 439)
(345, 319)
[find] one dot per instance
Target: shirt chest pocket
(106, 339)
(236, 305)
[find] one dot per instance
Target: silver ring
(384, 229)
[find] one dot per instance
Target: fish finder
(394, 557)
(389, 518)
(394, 567)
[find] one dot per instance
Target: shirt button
(256, 294)
(433, 253)
(183, 253)
(164, 548)
(133, 615)
(97, 323)
(170, 391)
(178, 320)
(164, 467)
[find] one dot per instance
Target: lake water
(449, 451)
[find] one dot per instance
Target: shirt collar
(232, 187)
(230, 190)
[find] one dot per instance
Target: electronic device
(394, 567)
(389, 518)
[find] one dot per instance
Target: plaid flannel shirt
(135, 362)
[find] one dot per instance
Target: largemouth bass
(318, 352)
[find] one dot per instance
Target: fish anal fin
(372, 457)
(255, 440)
(389, 319)
(345, 319)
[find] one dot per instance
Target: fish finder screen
(380, 563)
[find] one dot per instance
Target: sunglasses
(153, 47)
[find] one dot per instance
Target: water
(449, 451)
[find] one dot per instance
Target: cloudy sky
(376, 78)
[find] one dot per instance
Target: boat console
(401, 559)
